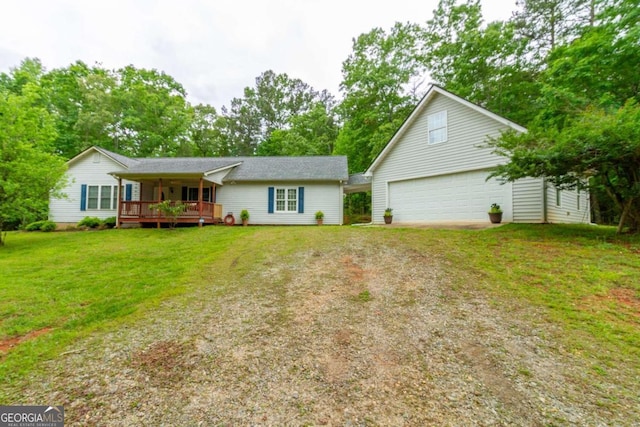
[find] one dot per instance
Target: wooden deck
(141, 212)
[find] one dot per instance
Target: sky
(213, 48)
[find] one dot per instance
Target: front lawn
(58, 287)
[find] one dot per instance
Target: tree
(29, 71)
(29, 171)
(66, 100)
(312, 133)
(485, 64)
(599, 147)
(153, 115)
(98, 112)
(203, 133)
(381, 83)
(270, 106)
(547, 24)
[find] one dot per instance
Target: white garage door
(457, 197)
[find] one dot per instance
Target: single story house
(275, 190)
(435, 168)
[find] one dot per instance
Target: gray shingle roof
(290, 169)
(311, 168)
(179, 165)
(127, 161)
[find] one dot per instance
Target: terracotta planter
(388, 219)
(320, 221)
(245, 222)
(495, 217)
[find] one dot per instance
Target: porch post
(200, 202)
(119, 206)
(214, 200)
(159, 199)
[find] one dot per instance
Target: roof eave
(150, 175)
(434, 89)
(99, 150)
(212, 171)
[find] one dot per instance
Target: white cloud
(213, 48)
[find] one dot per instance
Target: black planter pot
(495, 217)
(388, 219)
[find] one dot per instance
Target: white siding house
(435, 168)
(275, 190)
(91, 190)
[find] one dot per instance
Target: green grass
(584, 279)
(75, 283)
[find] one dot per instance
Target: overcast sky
(214, 48)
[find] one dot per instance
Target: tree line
(555, 66)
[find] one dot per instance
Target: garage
(453, 197)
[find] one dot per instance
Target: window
(92, 199)
(103, 197)
(558, 197)
(437, 124)
(286, 200)
(192, 194)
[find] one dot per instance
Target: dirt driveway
(362, 334)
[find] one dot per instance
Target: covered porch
(195, 195)
(194, 212)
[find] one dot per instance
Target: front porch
(195, 212)
(195, 195)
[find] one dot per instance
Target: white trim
(98, 150)
(286, 200)
(222, 169)
(431, 92)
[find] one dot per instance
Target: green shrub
(44, 225)
(34, 226)
(90, 222)
(48, 226)
(109, 222)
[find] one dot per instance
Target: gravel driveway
(362, 334)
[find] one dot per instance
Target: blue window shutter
(272, 196)
(127, 192)
(300, 199)
(83, 197)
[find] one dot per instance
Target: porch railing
(142, 210)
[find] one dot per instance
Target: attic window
(437, 124)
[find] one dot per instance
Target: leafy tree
(312, 133)
(29, 71)
(98, 112)
(271, 105)
(381, 83)
(63, 88)
(29, 171)
(153, 117)
(598, 146)
(203, 133)
(485, 64)
(599, 68)
(547, 24)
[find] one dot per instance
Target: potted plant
(244, 216)
(495, 214)
(388, 215)
(319, 217)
